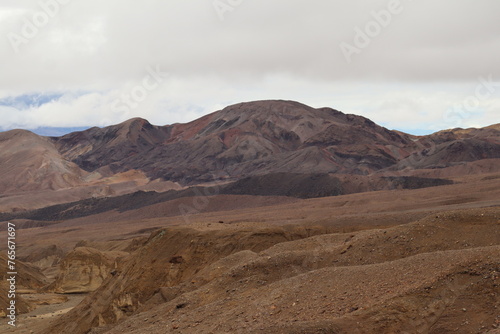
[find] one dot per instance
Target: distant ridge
(241, 141)
(261, 137)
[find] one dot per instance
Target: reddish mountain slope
(243, 139)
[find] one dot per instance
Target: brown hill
(30, 162)
(28, 278)
(34, 174)
(454, 147)
(273, 184)
(251, 254)
(261, 140)
(262, 137)
(83, 270)
(244, 139)
(315, 239)
(95, 147)
(436, 275)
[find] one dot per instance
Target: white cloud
(411, 107)
(428, 58)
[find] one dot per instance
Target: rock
(83, 270)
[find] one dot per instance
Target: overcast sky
(417, 66)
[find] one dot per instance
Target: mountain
(34, 174)
(30, 162)
(241, 141)
(454, 147)
(95, 147)
(255, 138)
(262, 137)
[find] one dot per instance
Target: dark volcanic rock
(287, 184)
(412, 182)
(275, 184)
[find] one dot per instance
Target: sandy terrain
(401, 261)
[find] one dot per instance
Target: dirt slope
(28, 278)
(30, 162)
(83, 270)
(226, 279)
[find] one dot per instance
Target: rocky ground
(437, 275)
(50, 306)
(400, 261)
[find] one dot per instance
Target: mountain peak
(136, 121)
(267, 108)
(257, 137)
(279, 111)
(17, 133)
(269, 104)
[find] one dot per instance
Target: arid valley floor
(397, 261)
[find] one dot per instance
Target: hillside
(245, 144)
(227, 278)
(389, 261)
(30, 162)
(263, 137)
(240, 140)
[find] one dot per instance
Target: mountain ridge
(249, 139)
(243, 139)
